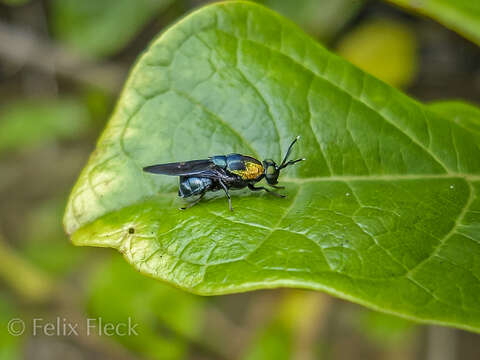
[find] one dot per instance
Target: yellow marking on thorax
(252, 171)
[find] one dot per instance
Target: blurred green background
(62, 65)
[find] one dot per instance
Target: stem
(26, 280)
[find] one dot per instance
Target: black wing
(193, 167)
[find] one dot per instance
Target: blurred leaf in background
(385, 48)
(383, 329)
(293, 331)
(45, 244)
(99, 104)
(101, 28)
(462, 16)
(28, 123)
(27, 281)
(14, 2)
(9, 345)
(322, 19)
(168, 318)
(275, 342)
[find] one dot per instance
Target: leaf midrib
(347, 178)
(343, 178)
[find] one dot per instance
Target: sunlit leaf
(385, 211)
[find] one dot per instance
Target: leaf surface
(385, 212)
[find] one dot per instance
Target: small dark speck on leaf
(131, 231)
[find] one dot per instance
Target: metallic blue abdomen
(190, 185)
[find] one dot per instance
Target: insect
(233, 171)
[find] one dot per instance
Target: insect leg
(277, 187)
(193, 203)
(228, 195)
(253, 188)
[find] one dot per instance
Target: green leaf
(462, 16)
(385, 211)
(166, 317)
(384, 330)
(465, 115)
(275, 341)
(43, 231)
(14, 3)
(284, 335)
(10, 346)
(33, 122)
(320, 18)
(101, 28)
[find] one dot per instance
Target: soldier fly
(233, 171)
